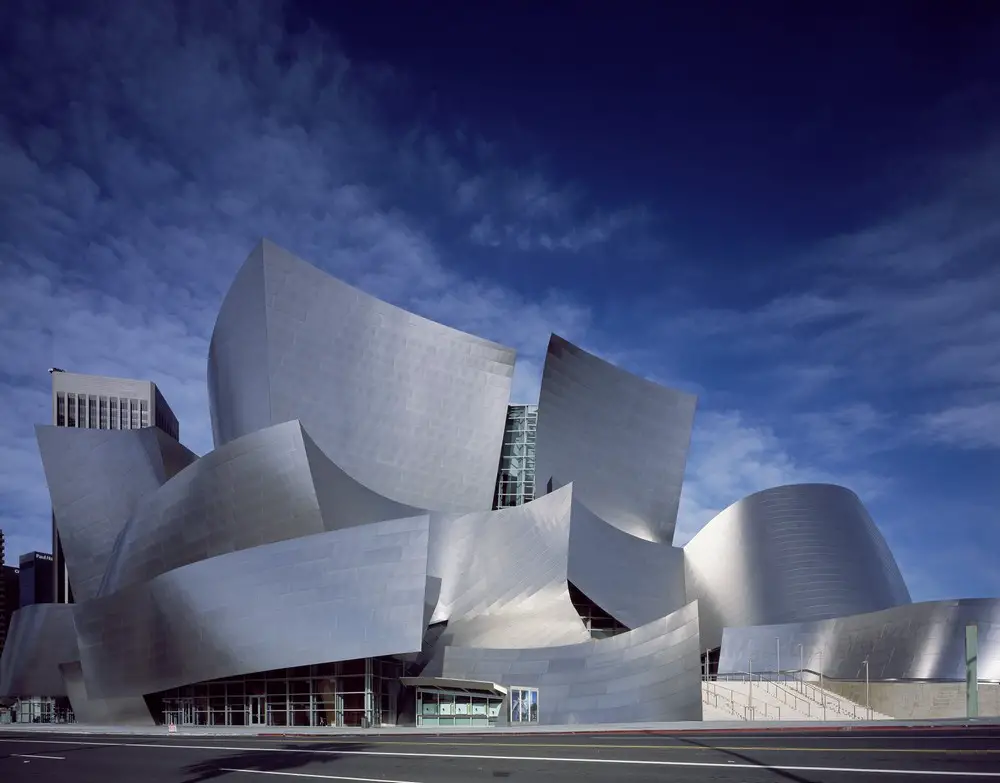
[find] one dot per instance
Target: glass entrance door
(185, 712)
(257, 715)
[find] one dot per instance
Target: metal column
(972, 671)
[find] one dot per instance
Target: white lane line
(550, 759)
(313, 775)
(29, 756)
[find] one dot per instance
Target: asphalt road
(808, 757)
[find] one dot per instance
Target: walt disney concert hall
(380, 538)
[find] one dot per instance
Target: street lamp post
(822, 687)
(868, 703)
(802, 671)
(777, 652)
(750, 686)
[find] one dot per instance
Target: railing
(732, 702)
(805, 693)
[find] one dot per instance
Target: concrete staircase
(755, 697)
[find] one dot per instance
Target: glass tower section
(516, 475)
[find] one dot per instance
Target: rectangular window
(61, 409)
(134, 406)
(92, 419)
(114, 413)
(104, 413)
(71, 411)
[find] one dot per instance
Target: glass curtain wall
(516, 475)
(358, 693)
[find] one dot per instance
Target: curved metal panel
(96, 478)
(652, 673)
(128, 711)
(503, 575)
(633, 580)
(790, 554)
(341, 595)
(268, 486)
(622, 440)
(238, 392)
(924, 641)
(412, 409)
(40, 637)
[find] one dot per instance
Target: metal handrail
(767, 711)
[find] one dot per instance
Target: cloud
(732, 457)
(151, 152)
(550, 232)
(965, 426)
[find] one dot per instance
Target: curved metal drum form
(621, 439)
(345, 514)
(924, 641)
(411, 409)
(650, 674)
(790, 554)
(335, 596)
(96, 478)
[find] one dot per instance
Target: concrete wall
(905, 700)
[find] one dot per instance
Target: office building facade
(37, 585)
(98, 402)
(343, 564)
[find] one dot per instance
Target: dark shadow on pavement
(268, 759)
(780, 773)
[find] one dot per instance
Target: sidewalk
(436, 731)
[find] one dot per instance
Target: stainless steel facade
(652, 673)
(790, 554)
(621, 439)
(343, 523)
(40, 637)
(923, 641)
(342, 595)
(96, 480)
(411, 409)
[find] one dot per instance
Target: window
(144, 410)
(104, 413)
(523, 705)
(71, 411)
(114, 413)
(92, 419)
(61, 409)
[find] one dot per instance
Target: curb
(864, 727)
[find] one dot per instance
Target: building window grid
(516, 476)
(70, 410)
(61, 409)
(104, 412)
(92, 420)
(349, 693)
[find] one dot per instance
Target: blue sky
(796, 216)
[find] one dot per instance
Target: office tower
(9, 592)
(36, 581)
(516, 475)
(99, 402)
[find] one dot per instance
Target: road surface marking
(535, 759)
(313, 775)
(29, 756)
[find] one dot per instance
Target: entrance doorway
(257, 713)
